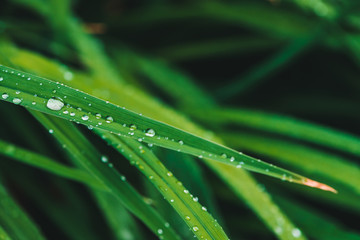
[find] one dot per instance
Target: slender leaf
(57, 99)
(92, 161)
(47, 164)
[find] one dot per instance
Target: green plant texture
(214, 120)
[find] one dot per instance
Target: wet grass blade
(14, 220)
(66, 133)
(47, 164)
(201, 223)
(284, 125)
(62, 101)
(311, 160)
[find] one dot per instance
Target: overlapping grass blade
(3, 234)
(201, 223)
(284, 125)
(66, 133)
(331, 166)
(57, 99)
(48, 164)
(120, 221)
(14, 220)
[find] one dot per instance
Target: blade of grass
(312, 160)
(248, 190)
(270, 66)
(193, 214)
(47, 164)
(14, 220)
(3, 234)
(46, 96)
(121, 222)
(66, 133)
(284, 125)
(327, 227)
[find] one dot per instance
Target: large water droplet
(109, 119)
(17, 100)
(55, 104)
(5, 95)
(150, 132)
(85, 117)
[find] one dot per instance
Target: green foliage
(151, 87)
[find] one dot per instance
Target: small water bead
(195, 199)
(187, 218)
(33, 103)
(1, 79)
(169, 174)
(232, 159)
(55, 104)
(5, 95)
(66, 112)
(223, 155)
(104, 159)
(68, 76)
(172, 200)
(98, 115)
(181, 142)
(195, 228)
(72, 114)
(150, 132)
(85, 117)
(109, 119)
(296, 232)
(186, 191)
(132, 127)
(204, 209)
(17, 100)
(160, 231)
(123, 178)
(51, 131)
(17, 92)
(167, 224)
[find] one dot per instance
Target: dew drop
(160, 231)
(72, 114)
(195, 228)
(132, 127)
(109, 119)
(51, 131)
(150, 132)
(1, 78)
(296, 232)
(223, 155)
(169, 174)
(187, 218)
(204, 209)
(17, 100)
(54, 104)
(98, 116)
(68, 76)
(5, 95)
(104, 159)
(181, 142)
(232, 159)
(85, 117)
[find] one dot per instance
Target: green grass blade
(259, 200)
(60, 100)
(193, 214)
(48, 164)
(14, 220)
(314, 161)
(327, 227)
(121, 222)
(3, 234)
(268, 67)
(288, 126)
(66, 133)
